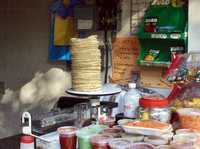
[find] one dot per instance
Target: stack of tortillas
(86, 64)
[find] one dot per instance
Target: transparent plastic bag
(184, 68)
(177, 70)
(186, 95)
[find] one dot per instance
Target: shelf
(167, 17)
(172, 36)
(170, 26)
(154, 63)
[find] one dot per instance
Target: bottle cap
(27, 139)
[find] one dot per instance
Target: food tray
(147, 131)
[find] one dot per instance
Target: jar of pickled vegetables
(154, 108)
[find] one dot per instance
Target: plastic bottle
(131, 101)
(27, 142)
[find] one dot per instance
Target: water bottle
(131, 101)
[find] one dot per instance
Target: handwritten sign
(124, 55)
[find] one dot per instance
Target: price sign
(124, 55)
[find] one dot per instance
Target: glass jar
(154, 108)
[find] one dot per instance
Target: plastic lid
(189, 111)
(101, 139)
(88, 132)
(143, 146)
(184, 131)
(163, 147)
(186, 137)
(120, 143)
(27, 139)
(132, 85)
(182, 144)
(152, 103)
(112, 130)
(155, 140)
(67, 130)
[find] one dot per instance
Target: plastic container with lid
(100, 141)
(85, 134)
(183, 145)
(155, 108)
(115, 132)
(184, 131)
(189, 118)
(133, 137)
(67, 137)
(27, 142)
(186, 137)
(131, 101)
(120, 143)
(185, 141)
(155, 140)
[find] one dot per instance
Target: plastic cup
(86, 133)
(100, 141)
(84, 143)
(120, 143)
(67, 137)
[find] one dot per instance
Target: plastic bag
(186, 95)
(184, 68)
(177, 70)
